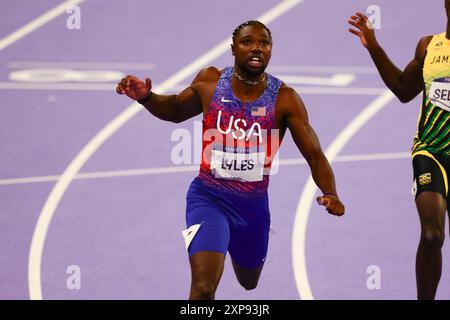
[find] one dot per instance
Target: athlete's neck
(249, 80)
(246, 91)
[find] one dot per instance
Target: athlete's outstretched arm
(296, 118)
(407, 84)
(175, 108)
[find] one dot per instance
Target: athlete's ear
(232, 49)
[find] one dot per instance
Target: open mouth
(255, 62)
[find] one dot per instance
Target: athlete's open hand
(134, 88)
(364, 30)
(333, 205)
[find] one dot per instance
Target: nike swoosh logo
(225, 100)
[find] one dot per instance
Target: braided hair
(250, 23)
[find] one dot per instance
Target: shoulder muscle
(422, 46)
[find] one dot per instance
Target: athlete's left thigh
(249, 238)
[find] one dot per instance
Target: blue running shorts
(222, 221)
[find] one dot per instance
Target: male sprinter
(227, 204)
(428, 71)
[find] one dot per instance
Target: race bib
(231, 163)
(440, 93)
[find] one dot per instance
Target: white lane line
(310, 189)
(37, 23)
(316, 90)
(354, 157)
(80, 65)
(321, 69)
(337, 79)
(104, 174)
(76, 86)
(67, 86)
(193, 168)
(25, 180)
(47, 212)
(340, 91)
(373, 156)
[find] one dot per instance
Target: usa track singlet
(227, 206)
(239, 139)
(433, 134)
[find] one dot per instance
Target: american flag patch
(259, 111)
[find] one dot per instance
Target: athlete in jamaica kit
(246, 113)
(429, 72)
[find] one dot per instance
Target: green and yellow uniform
(431, 149)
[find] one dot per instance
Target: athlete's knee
(432, 238)
(249, 285)
(248, 278)
(202, 290)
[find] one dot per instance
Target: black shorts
(430, 173)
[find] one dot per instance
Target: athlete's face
(252, 49)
